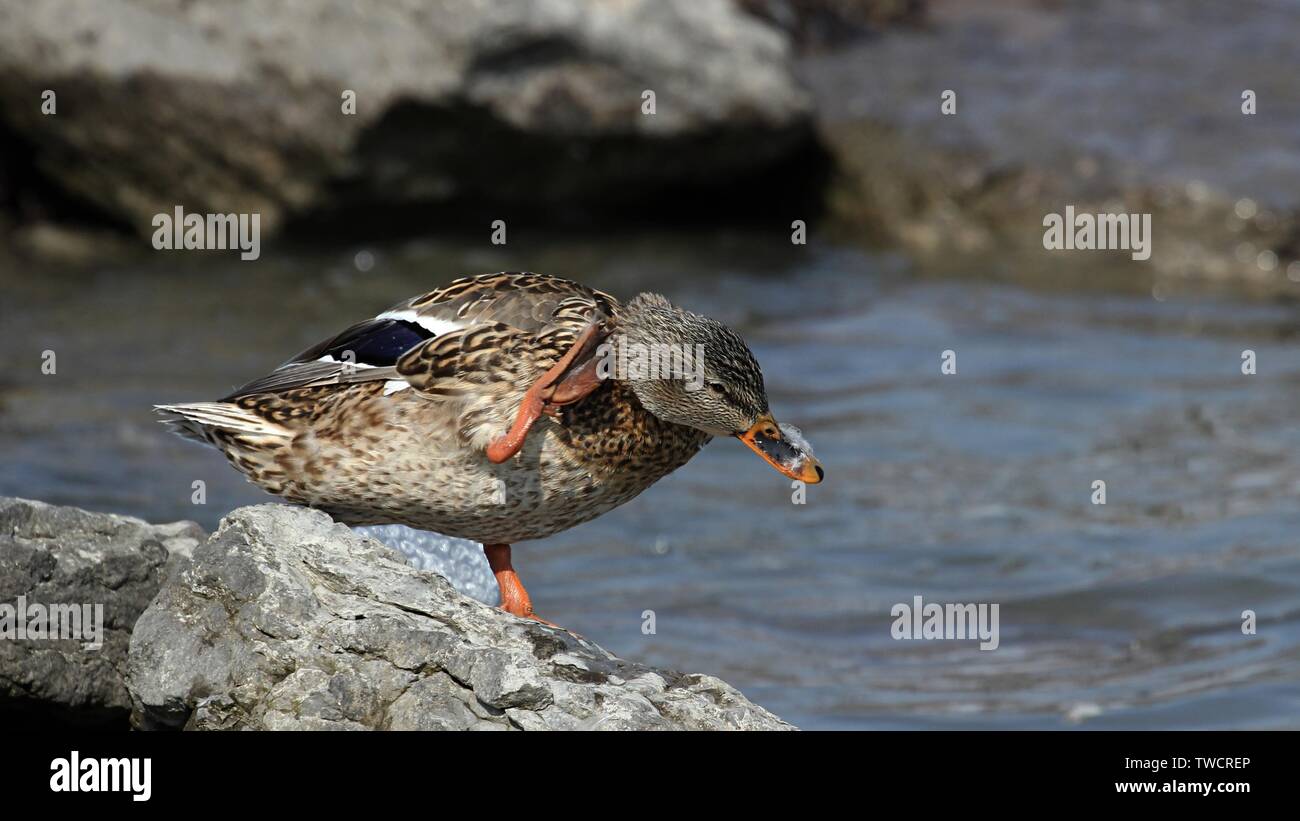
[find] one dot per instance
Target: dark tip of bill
(821, 474)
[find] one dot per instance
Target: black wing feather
(377, 343)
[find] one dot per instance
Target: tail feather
(198, 421)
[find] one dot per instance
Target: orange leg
(553, 385)
(530, 410)
(514, 598)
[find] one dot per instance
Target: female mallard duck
(499, 408)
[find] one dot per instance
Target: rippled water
(973, 487)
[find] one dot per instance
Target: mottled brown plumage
(388, 422)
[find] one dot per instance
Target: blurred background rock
(463, 110)
(826, 110)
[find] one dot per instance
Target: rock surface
(64, 556)
(238, 106)
(287, 620)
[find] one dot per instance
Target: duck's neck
(611, 428)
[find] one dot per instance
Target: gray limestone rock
(286, 619)
(81, 564)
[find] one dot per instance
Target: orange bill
(793, 458)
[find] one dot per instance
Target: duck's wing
(499, 334)
(477, 324)
(365, 352)
(535, 304)
(496, 328)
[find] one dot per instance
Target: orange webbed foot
(514, 598)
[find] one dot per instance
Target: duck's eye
(717, 389)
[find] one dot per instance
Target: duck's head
(691, 370)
